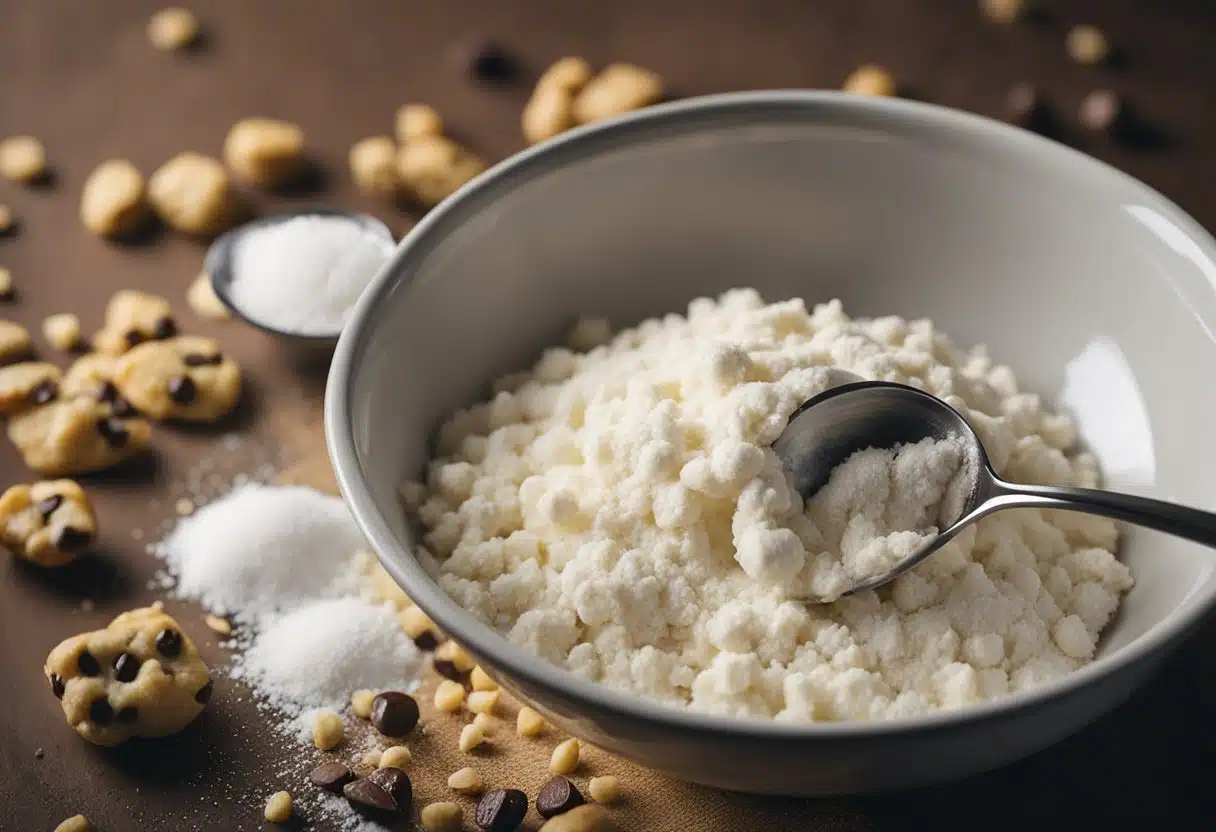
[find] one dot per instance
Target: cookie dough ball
(22, 159)
(191, 193)
(14, 341)
(265, 151)
(202, 299)
(48, 522)
(133, 317)
(76, 435)
(432, 168)
(172, 29)
(185, 378)
(619, 89)
(28, 384)
(373, 166)
(139, 677)
(414, 121)
(114, 202)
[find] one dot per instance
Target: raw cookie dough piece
(133, 317)
(373, 166)
(414, 121)
(185, 378)
(191, 193)
(14, 341)
(22, 159)
(113, 202)
(92, 376)
(28, 384)
(203, 300)
(265, 151)
(433, 168)
(75, 436)
(62, 331)
(172, 29)
(139, 677)
(619, 89)
(48, 522)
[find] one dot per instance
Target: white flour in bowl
(620, 513)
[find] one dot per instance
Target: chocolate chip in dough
(165, 328)
(169, 643)
(182, 389)
(448, 670)
(369, 799)
(397, 783)
(57, 686)
(88, 664)
(126, 667)
(113, 431)
(394, 713)
(558, 796)
(195, 359)
(43, 392)
(426, 641)
(332, 776)
(133, 337)
(47, 507)
(128, 715)
(101, 712)
(204, 693)
(501, 811)
(71, 539)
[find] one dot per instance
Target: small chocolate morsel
(107, 392)
(501, 811)
(426, 640)
(71, 539)
(8, 294)
(182, 389)
(369, 799)
(88, 664)
(134, 337)
(397, 783)
(47, 507)
(128, 715)
(194, 359)
(1101, 111)
(113, 431)
(43, 392)
(394, 713)
(165, 328)
(557, 796)
(169, 643)
(204, 693)
(331, 776)
(101, 712)
(57, 686)
(486, 60)
(126, 667)
(448, 670)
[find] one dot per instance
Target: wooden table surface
(81, 75)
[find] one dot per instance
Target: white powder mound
(318, 654)
(261, 549)
(620, 512)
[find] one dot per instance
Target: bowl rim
(580, 143)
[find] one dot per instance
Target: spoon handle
(1171, 518)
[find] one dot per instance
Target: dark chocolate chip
(331, 776)
(57, 686)
(88, 664)
(486, 60)
(397, 783)
(369, 799)
(1023, 106)
(126, 667)
(128, 715)
(501, 811)
(72, 539)
(101, 712)
(107, 392)
(204, 693)
(7, 295)
(426, 640)
(394, 713)
(165, 328)
(43, 392)
(558, 796)
(182, 389)
(134, 337)
(169, 643)
(1101, 111)
(113, 431)
(47, 507)
(195, 359)
(447, 669)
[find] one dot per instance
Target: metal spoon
(219, 258)
(826, 430)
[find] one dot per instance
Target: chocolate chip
(1101, 111)
(128, 715)
(133, 337)
(369, 799)
(447, 669)
(486, 60)
(557, 796)
(113, 431)
(43, 392)
(204, 693)
(8, 294)
(501, 811)
(331, 776)
(126, 667)
(72, 539)
(57, 686)
(47, 507)
(426, 640)
(195, 359)
(165, 328)
(101, 712)
(182, 389)
(169, 643)
(394, 713)
(107, 392)
(397, 783)
(88, 664)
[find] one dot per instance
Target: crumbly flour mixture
(618, 511)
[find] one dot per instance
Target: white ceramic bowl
(1096, 289)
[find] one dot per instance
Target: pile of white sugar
(618, 511)
(304, 275)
